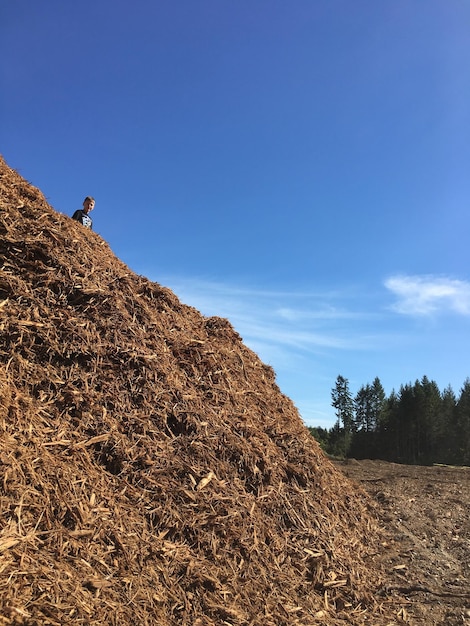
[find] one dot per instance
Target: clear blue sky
(300, 167)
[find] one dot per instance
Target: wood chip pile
(151, 471)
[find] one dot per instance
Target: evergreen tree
(406, 425)
(462, 425)
(363, 405)
(369, 404)
(344, 405)
(429, 403)
(378, 402)
(322, 435)
(445, 436)
(388, 429)
(360, 408)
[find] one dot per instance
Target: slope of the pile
(151, 470)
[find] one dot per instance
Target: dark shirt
(82, 217)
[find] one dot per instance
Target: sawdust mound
(151, 470)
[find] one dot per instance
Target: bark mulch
(151, 471)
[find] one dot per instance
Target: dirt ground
(427, 512)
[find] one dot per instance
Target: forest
(418, 425)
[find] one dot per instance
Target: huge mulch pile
(151, 470)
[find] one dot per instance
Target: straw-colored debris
(152, 472)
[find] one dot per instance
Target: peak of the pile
(153, 472)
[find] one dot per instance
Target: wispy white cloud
(427, 295)
(323, 312)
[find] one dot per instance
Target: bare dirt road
(427, 513)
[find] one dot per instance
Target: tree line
(418, 425)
